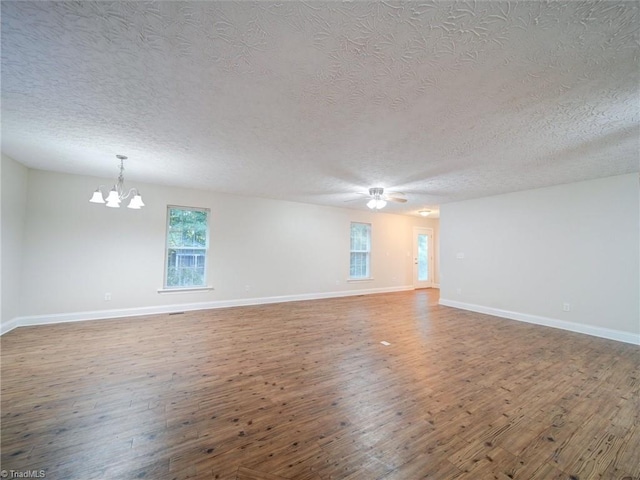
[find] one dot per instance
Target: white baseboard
(184, 307)
(620, 336)
(8, 326)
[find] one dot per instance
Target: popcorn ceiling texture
(315, 101)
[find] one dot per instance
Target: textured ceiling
(315, 101)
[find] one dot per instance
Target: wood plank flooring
(305, 390)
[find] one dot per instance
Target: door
(422, 257)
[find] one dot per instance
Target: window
(360, 262)
(187, 246)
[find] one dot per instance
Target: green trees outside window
(187, 247)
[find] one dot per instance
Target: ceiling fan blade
(397, 197)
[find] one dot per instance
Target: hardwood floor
(305, 390)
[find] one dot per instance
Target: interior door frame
(429, 232)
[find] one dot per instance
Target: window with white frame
(360, 261)
(187, 247)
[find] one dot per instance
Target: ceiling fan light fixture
(377, 200)
(376, 203)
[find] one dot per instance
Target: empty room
(320, 240)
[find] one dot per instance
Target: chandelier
(117, 193)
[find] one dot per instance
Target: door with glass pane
(422, 257)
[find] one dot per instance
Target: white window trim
(351, 279)
(185, 289)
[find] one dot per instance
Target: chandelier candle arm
(117, 193)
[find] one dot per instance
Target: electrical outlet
(247, 288)
(459, 291)
(566, 307)
(107, 297)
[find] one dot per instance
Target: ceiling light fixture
(376, 202)
(117, 193)
(424, 213)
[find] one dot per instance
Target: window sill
(185, 290)
(356, 280)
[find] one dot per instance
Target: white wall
(528, 253)
(13, 198)
(75, 251)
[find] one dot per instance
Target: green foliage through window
(187, 245)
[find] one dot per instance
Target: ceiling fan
(379, 199)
